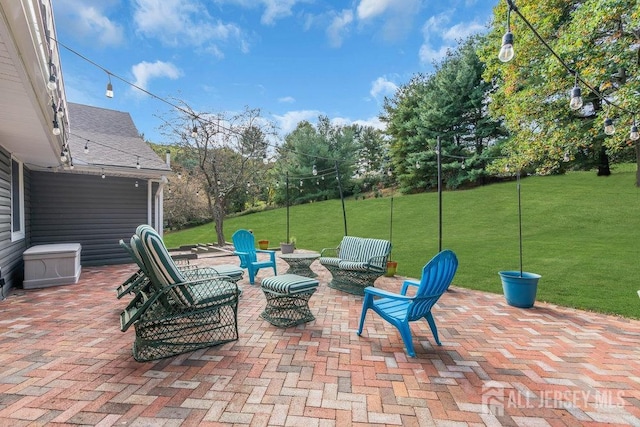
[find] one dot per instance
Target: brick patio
(64, 361)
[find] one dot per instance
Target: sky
(292, 59)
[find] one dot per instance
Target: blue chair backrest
(244, 241)
(437, 275)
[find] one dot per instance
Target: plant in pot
(519, 287)
(288, 246)
(263, 244)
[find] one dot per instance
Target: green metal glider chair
(245, 247)
(400, 309)
(178, 314)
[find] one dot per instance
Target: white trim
(17, 235)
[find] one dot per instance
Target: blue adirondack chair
(400, 309)
(245, 247)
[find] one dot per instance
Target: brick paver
(64, 361)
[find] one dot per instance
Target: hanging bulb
(417, 165)
(86, 147)
(109, 92)
(314, 171)
(136, 184)
(634, 135)
(609, 128)
(265, 160)
(56, 128)
(576, 98)
(138, 163)
(52, 83)
(300, 183)
(103, 175)
(566, 157)
(60, 112)
(63, 156)
(506, 51)
(463, 165)
(194, 131)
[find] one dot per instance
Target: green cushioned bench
(288, 299)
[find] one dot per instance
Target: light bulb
(609, 128)
(576, 98)
(265, 159)
(138, 163)
(566, 157)
(314, 171)
(60, 112)
(103, 175)
(417, 165)
(506, 51)
(194, 131)
(63, 156)
(109, 92)
(56, 128)
(634, 135)
(52, 84)
(136, 184)
(86, 148)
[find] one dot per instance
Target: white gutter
(159, 205)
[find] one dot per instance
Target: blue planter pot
(519, 291)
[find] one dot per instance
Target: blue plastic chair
(245, 247)
(400, 309)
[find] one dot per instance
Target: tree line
(488, 119)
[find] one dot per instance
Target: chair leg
(405, 333)
(252, 275)
(366, 303)
(434, 329)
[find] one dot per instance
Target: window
(17, 201)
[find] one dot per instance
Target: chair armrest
(378, 261)
(382, 293)
(272, 254)
(329, 252)
(406, 284)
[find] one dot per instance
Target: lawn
(580, 232)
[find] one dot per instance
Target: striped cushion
(289, 284)
(350, 248)
(373, 248)
(136, 250)
(329, 261)
(164, 269)
(353, 265)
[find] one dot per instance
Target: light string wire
(514, 8)
(178, 107)
(111, 147)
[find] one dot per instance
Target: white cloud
(382, 87)
(339, 26)
(396, 15)
(89, 21)
(440, 36)
(273, 9)
(287, 99)
(183, 22)
(463, 30)
(145, 71)
(368, 9)
(289, 121)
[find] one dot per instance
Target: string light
(576, 101)
(60, 112)
(138, 163)
(507, 53)
(56, 128)
(194, 131)
(86, 147)
(103, 175)
(576, 96)
(109, 92)
(315, 170)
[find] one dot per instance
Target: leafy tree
(450, 104)
(321, 147)
(598, 40)
(226, 150)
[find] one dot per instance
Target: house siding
(11, 252)
(87, 209)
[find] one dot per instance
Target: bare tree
(226, 149)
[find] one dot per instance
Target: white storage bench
(51, 265)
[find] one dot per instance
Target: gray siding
(86, 209)
(10, 252)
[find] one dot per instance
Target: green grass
(581, 233)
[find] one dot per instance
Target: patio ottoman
(288, 299)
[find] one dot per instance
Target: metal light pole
(287, 182)
(439, 159)
(344, 212)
